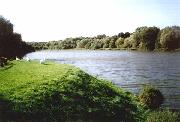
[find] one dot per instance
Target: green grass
(29, 90)
(163, 116)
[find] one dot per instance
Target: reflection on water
(128, 69)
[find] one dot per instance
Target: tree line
(144, 38)
(11, 44)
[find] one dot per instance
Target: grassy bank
(33, 91)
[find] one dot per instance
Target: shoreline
(115, 49)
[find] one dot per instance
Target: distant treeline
(11, 44)
(144, 38)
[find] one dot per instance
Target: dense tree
(82, 43)
(97, 44)
(101, 36)
(127, 43)
(127, 34)
(119, 42)
(106, 42)
(39, 45)
(146, 37)
(124, 35)
(69, 43)
(170, 38)
(121, 35)
(88, 45)
(113, 41)
(11, 44)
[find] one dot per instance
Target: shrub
(151, 97)
(163, 116)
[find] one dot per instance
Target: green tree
(11, 44)
(112, 41)
(124, 35)
(127, 34)
(106, 42)
(146, 37)
(170, 38)
(82, 43)
(127, 43)
(119, 42)
(101, 36)
(97, 44)
(121, 35)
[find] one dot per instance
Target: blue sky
(45, 20)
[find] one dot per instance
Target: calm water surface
(128, 69)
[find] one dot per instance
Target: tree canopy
(144, 38)
(11, 44)
(170, 38)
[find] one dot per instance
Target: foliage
(163, 116)
(59, 92)
(170, 38)
(147, 36)
(106, 42)
(119, 42)
(82, 43)
(151, 97)
(112, 41)
(11, 44)
(144, 38)
(124, 35)
(97, 44)
(100, 36)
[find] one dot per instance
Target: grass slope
(61, 92)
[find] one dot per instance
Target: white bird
(42, 61)
(17, 59)
(27, 59)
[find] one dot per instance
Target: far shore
(118, 49)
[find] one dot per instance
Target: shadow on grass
(9, 65)
(8, 115)
(4, 108)
(45, 64)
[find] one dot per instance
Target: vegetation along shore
(144, 39)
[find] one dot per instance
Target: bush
(163, 116)
(151, 97)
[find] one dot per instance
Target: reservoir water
(129, 70)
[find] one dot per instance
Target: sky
(46, 20)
